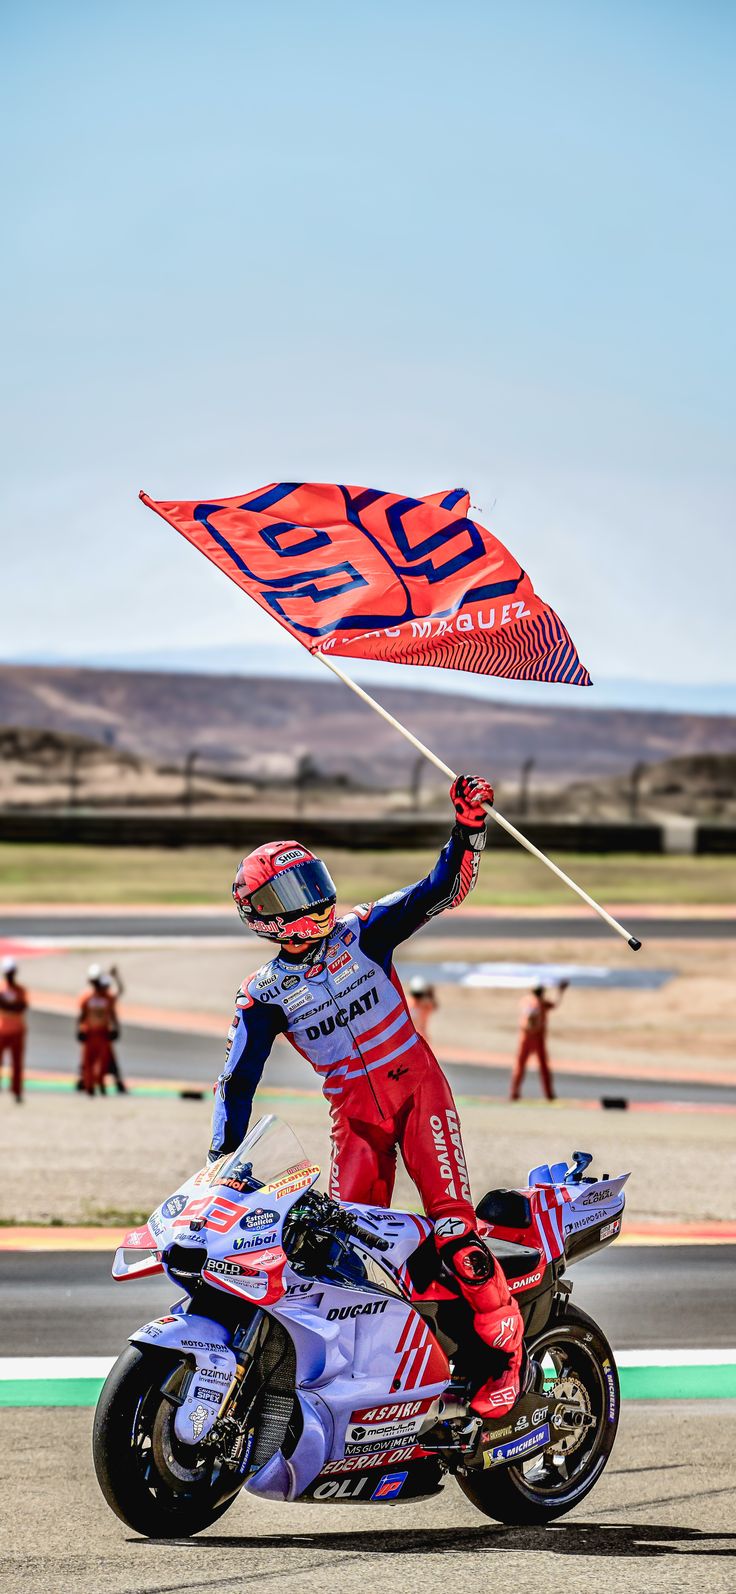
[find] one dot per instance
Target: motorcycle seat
(516, 1260)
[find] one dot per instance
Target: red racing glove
(468, 793)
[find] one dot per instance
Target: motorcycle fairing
(560, 1204)
(357, 1351)
(207, 1344)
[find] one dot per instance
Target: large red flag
(355, 572)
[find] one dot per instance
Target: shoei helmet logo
(294, 855)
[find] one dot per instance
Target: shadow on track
(625, 1541)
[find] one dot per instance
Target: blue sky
(411, 245)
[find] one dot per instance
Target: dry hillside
(233, 720)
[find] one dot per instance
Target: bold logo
(216, 1264)
(389, 1486)
(253, 1284)
(366, 1309)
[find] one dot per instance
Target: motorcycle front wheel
(157, 1485)
(578, 1366)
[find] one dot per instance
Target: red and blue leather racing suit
(342, 1006)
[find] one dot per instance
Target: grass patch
(114, 1217)
(203, 875)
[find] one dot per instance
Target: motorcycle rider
(333, 992)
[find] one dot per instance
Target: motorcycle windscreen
(270, 1153)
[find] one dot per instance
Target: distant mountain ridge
(162, 716)
(668, 697)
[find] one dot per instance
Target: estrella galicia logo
(289, 982)
(261, 1218)
(174, 1205)
(519, 1447)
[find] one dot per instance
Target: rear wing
(589, 1210)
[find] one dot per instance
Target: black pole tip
(634, 944)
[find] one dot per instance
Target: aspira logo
(361, 1309)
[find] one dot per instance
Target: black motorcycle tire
(131, 1478)
(505, 1493)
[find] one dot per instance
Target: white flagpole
(494, 814)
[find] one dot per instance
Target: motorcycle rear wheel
(578, 1357)
(158, 1486)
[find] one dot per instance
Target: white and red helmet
(284, 892)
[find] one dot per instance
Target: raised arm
(394, 918)
(250, 1038)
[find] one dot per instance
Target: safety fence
(155, 829)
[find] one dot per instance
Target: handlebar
(337, 1220)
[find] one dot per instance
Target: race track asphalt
(117, 927)
(67, 1304)
(173, 1054)
(659, 1521)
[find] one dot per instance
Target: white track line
(99, 1366)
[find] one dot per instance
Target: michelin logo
(519, 1447)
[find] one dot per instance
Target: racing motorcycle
(320, 1353)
